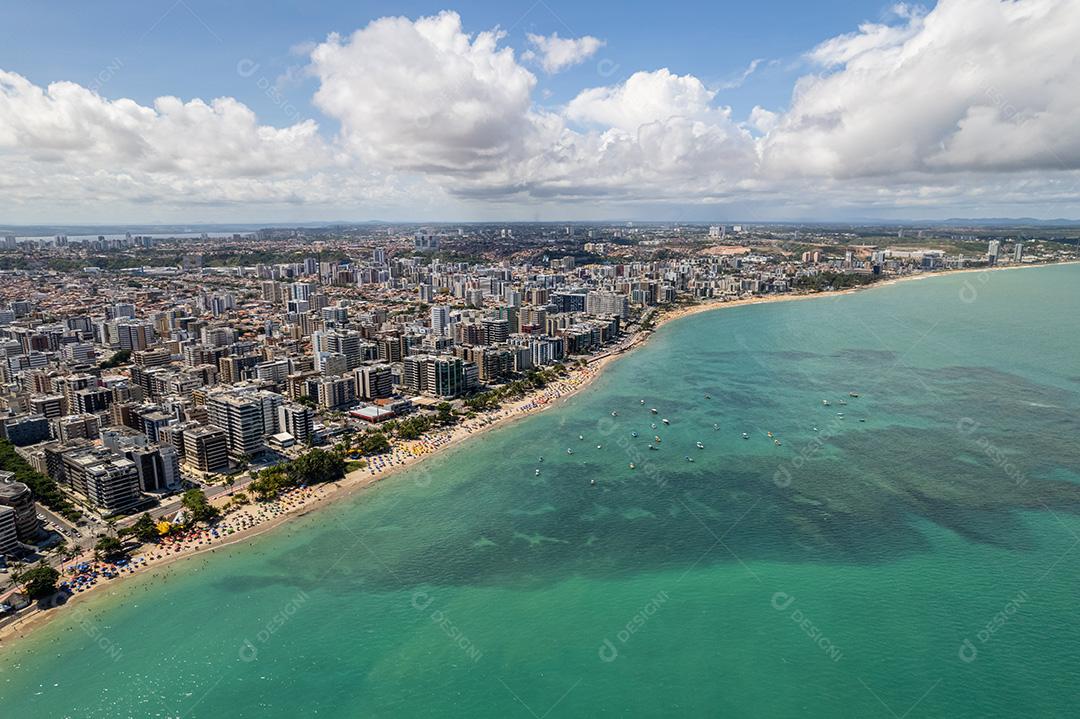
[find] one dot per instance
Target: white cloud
(556, 53)
(973, 85)
(425, 96)
(968, 105)
(645, 97)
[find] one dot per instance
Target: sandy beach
(253, 519)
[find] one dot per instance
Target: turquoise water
(920, 563)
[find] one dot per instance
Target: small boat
(862, 420)
(745, 435)
(852, 394)
(653, 425)
(825, 402)
(665, 421)
(599, 446)
(770, 434)
(541, 459)
(708, 396)
(631, 465)
(580, 436)
(715, 427)
(814, 428)
(653, 410)
(569, 451)
(843, 401)
(839, 414)
(776, 442)
(538, 473)
(643, 401)
(614, 414)
(656, 438)
(633, 434)
(592, 482)
(652, 447)
(689, 458)
(700, 445)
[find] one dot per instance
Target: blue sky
(853, 109)
(165, 48)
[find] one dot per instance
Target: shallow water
(914, 558)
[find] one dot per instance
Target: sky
(198, 111)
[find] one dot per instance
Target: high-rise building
(992, 252)
(19, 498)
(440, 320)
(607, 303)
(241, 416)
(374, 382)
(297, 420)
(336, 393)
(9, 537)
(134, 335)
(1018, 251)
(206, 448)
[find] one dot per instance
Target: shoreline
(255, 519)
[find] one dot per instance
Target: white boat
(652, 447)
(631, 465)
(569, 451)
(581, 436)
(656, 438)
(825, 402)
(541, 459)
(599, 446)
(653, 425)
(592, 481)
(689, 458)
(643, 401)
(653, 410)
(633, 434)
(700, 445)
(538, 473)
(614, 414)
(745, 435)
(665, 421)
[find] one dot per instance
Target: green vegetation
(314, 467)
(834, 281)
(39, 581)
(119, 359)
(536, 379)
(109, 548)
(45, 490)
(198, 506)
(145, 528)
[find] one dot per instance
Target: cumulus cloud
(967, 105)
(555, 53)
(425, 96)
(973, 85)
(645, 97)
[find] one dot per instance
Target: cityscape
(134, 390)
(542, 359)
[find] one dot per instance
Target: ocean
(912, 551)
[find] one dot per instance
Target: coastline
(406, 455)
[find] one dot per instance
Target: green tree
(194, 500)
(108, 547)
(38, 581)
(445, 414)
(120, 358)
(315, 467)
(375, 443)
(145, 528)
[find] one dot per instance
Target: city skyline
(186, 113)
